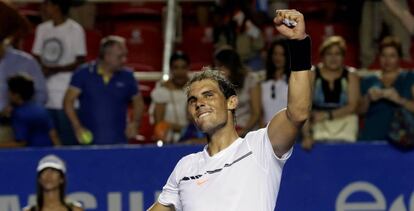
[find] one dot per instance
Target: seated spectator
(274, 89)
(335, 98)
(14, 62)
(247, 86)
(384, 94)
(169, 100)
(31, 123)
(105, 88)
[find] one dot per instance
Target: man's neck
(221, 139)
(106, 70)
(59, 20)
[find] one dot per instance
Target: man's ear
(232, 102)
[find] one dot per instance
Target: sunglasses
(273, 91)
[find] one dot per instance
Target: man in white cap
(51, 184)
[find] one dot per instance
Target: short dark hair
(393, 42)
(108, 42)
(230, 59)
(226, 87)
(179, 55)
(21, 85)
(64, 5)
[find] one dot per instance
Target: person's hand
(392, 95)
(307, 143)
(296, 32)
(319, 116)
(80, 132)
(375, 93)
(131, 130)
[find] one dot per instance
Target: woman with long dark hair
(275, 88)
(51, 184)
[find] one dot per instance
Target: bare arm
(68, 102)
(159, 207)
(54, 137)
(286, 124)
(353, 97)
(137, 110)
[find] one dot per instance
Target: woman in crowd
(336, 95)
(383, 95)
(275, 88)
(169, 98)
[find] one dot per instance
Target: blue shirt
(380, 113)
(103, 106)
(31, 123)
(16, 62)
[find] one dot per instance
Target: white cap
(51, 161)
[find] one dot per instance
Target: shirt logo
(201, 182)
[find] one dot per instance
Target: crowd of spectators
(52, 97)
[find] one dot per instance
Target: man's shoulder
(21, 55)
(189, 159)
(255, 133)
(45, 25)
(72, 23)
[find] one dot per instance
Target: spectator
(60, 47)
(51, 185)
(31, 123)
(375, 15)
(169, 98)
(104, 89)
(384, 94)
(335, 97)
(247, 87)
(274, 89)
(14, 62)
(235, 27)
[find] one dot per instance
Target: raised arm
(286, 124)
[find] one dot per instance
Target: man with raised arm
(233, 173)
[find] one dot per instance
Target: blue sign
(337, 177)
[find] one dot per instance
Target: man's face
(208, 106)
(179, 72)
(116, 56)
(50, 9)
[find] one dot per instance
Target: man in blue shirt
(104, 89)
(14, 62)
(31, 123)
